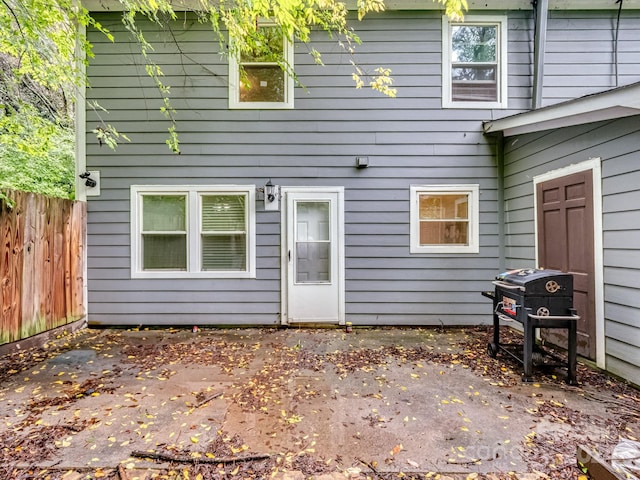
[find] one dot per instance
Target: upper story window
(261, 78)
(474, 66)
(445, 219)
(184, 231)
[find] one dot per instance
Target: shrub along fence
(41, 263)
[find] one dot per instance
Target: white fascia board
(474, 5)
(617, 103)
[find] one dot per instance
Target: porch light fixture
(271, 196)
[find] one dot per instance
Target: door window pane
(312, 220)
(313, 247)
(312, 262)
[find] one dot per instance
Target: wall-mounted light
(92, 182)
(88, 181)
(270, 191)
(271, 196)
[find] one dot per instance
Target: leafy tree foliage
(39, 71)
(36, 153)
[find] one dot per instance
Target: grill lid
(533, 280)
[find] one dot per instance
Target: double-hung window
(193, 231)
(474, 66)
(444, 219)
(261, 77)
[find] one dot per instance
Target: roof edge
(611, 104)
(474, 5)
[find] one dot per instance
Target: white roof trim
(616, 103)
(474, 5)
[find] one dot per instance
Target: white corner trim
(80, 123)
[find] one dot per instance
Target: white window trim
(193, 194)
(473, 190)
(234, 83)
(501, 22)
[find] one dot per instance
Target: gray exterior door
(566, 242)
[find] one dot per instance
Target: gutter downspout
(502, 246)
(541, 13)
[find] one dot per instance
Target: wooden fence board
(41, 264)
(30, 294)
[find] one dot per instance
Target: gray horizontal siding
(617, 143)
(580, 58)
(409, 140)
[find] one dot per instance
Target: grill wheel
(543, 312)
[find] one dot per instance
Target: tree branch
(165, 457)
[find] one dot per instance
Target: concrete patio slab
(321, 402)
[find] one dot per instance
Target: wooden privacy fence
(41, 263)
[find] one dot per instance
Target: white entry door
(313, 255)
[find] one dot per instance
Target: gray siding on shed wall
(617, 143)
(409, 140)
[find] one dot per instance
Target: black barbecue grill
(537, 299)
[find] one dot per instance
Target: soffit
(616, 103)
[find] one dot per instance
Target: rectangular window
(474, 67)
(260, 78)
(190, 231)
(444, 219)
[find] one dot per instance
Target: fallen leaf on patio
(413, 464)
(397, 449)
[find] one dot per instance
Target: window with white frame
(474, 64)
(192, 231)
(261, 78)
(444, 219)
